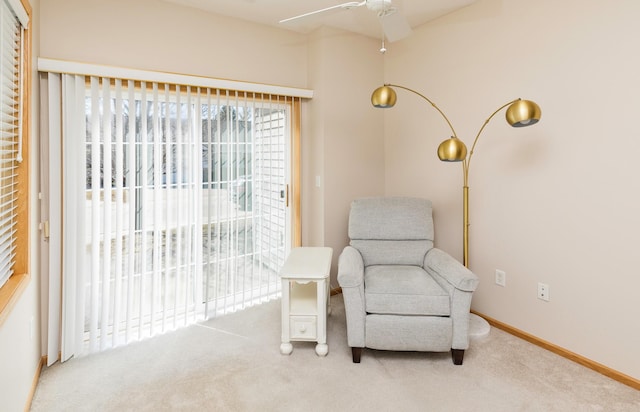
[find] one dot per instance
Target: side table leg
(321, 288)
(328, 298)
(286, 347)
(322, 349)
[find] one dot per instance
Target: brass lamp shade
(383, 97)
(452, 150)
(523, 113)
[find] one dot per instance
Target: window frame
(11, 291)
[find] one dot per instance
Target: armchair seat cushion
(404, 290)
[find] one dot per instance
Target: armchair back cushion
(385, 237)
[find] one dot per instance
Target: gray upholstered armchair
(401, 293)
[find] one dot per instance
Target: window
(14, 132)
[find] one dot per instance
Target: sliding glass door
(180, 204)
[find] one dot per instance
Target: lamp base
(478, 327)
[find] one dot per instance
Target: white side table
(305, 297)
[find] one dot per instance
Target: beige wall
(20, 350)
(555, 203)
(347, 142)
(156, 35)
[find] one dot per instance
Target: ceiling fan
(394, 24)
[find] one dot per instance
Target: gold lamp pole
(521, 113)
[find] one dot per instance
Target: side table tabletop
(305, 297)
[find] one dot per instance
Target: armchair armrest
(350, 268)
(460, 282)
(351, 280)
(445, 266)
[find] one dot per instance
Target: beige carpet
(233, 363)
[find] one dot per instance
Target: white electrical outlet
(501, 277)
(543, 291)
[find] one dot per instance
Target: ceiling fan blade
(344, 6)
(395, 26)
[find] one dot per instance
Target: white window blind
(10, 132)
(174, 203)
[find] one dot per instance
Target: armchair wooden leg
(457, 355)
(356, 353)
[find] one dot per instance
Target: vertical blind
(173, 204)
(10, 131)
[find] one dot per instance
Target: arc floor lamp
(519, 113)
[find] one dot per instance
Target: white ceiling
(359, 20)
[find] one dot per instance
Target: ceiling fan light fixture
(387, 12)
(380, 6)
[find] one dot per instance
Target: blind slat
(95, 213)
(119, 190)
(105, 302)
